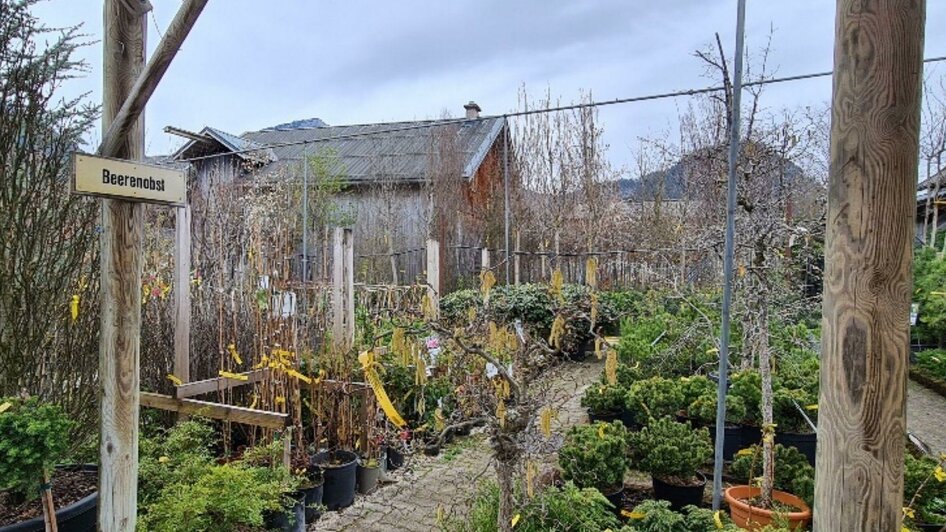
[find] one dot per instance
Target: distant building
(394, 178)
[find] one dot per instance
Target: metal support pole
(506, 194)
(728, 256)
(305, 214)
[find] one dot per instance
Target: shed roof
(397, 151)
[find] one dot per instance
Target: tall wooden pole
(867, 283)
(182, 294)
(121, 257)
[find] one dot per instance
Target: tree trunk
(761, 346)
(504, 475)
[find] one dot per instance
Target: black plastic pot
(367, 478)
(616, 499)
(750, 435)
(80, 516)
(805, 443)
(338, 472)
(395, 459)
(930, 528)
(313, 498)
(732, 440)
(680, 496)
(605, 417)
(291, 520)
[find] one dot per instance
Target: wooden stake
(49, 508)
(484, 259)
(515, 261)
(867, 283)
(121, 257)
(182, 294)
(343, 291)
(433, 274)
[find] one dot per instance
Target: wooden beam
(217, 384)
(138, 94)
(121, 259)
(868, 257)
(182, 294)
(433, 275)
(234, 414)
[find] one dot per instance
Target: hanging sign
(128, 180)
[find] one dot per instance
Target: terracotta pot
(752, 518)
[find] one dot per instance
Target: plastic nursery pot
(753, 518)
(680, 496)
(805, 443)
(80, 516)
(751, 435)
(732, 440)
(606, 417)
(313, 499)
(395, 459)
(615, 497)
(290, 520)
(367, 478)
(338, 472)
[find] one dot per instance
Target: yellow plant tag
(234, 376)
(744, 452)
(74, 307)
(633, 515)
(5, 406)
(164, 460)
(174, 380)
(718, 520)
(939, 474)
(301, 377)
(515, 520)
(908, 512)
(601, 431)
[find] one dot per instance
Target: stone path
(926, 416)
(444, 484)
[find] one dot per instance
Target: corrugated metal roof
(378, 153)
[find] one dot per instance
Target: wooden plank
(182, 294)
(234, 414)
(338, 283)
(217, 384)
(144, 85)
(433, 275)
(868, 257)
(121, 260)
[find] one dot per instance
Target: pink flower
(433, 343)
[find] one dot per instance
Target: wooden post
(393, 260)
(867, 283)
(121, 258)
(343, 293)
(544, 261)
(515, 261)
(433, 274)
(484, 259)
(182, 294)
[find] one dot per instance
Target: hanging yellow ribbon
(366, 358)
(234, 355)
(174, 380)
(234, 376)
(556, 284)
(301, 377)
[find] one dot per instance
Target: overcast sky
(250, 64)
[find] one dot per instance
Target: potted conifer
(595, 456)
(672, 452)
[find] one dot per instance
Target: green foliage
(703, 409)
(696, 387)
(932, 363)
(181, 488)
(793, 473)
(35, 437)
(554, 509)
(747, 385)
(930, 502)
(223, 497)
(655, 397)
(670, 450)
(786, 416)
(929, 276)
(601, 398)
(656, 516)
(595, 456)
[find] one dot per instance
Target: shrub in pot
(34, 437)
(672, 452)
(794, 485)
(747, 385)
(595, 456)
(792, 427)
(695, 387)
(605, 402)
(654, 398)
(794, 474)
(703, 412)
(658, 516)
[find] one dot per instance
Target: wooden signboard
(134, 181)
